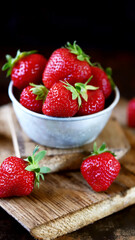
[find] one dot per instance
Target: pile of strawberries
(66, 85)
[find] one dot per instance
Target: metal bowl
(62, 132)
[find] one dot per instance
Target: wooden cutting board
(65, 202)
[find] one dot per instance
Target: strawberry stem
(75, 49)
(100, 150)
(40, 90)
(12, 61)
(83, 87)
(33, 165)
(80, 90)
(74, 92)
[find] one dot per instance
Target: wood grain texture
(65, 202)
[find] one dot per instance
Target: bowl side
(75, 118)
(61, 132)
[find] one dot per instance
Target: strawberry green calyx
(83, 87)
(12, 61)
(101, 149)
(74, 92)
(40, 90)
(33, 165)
(108, 71)
(75, 49)
(80, 90)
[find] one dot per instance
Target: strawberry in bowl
(75, 100)
(25, 68)
(61, 132)
(68, 63)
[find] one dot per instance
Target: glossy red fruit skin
(131, 113)
(14, 179)
(28, 100)
(94, 104)
(28, 69)
(101, 80)
(59, 102)
(64, 65)
(100, 170)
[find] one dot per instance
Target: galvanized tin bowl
(62, 132)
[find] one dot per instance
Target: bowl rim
(74, 118)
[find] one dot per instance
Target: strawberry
(62, 100)
(94, 104)
(69, 63)
(100, 168)
(25, 68)
(33, 96)
(91, 101)
(18, 176)
(102, 79)
(131, 113)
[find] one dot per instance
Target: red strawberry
(92, 98)
(61, 101)
(18, 176)
(69, 64)
(95, 103)
(102, 80)
(131, 113)
(33, 96)
(25, 68)
(100, 168)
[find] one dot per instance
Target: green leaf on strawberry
(40, 90)
(108, 71)
(80, 90)
(74, 92)
(75, 49)
(100, 150)
(83, 87)
(44, 169)
(34, 164)
(39, 156)
(12, 61)
(35, 149)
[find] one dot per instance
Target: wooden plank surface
(65, 202)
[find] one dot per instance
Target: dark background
(104, 29)
(104, 25)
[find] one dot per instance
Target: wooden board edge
(76, 220)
